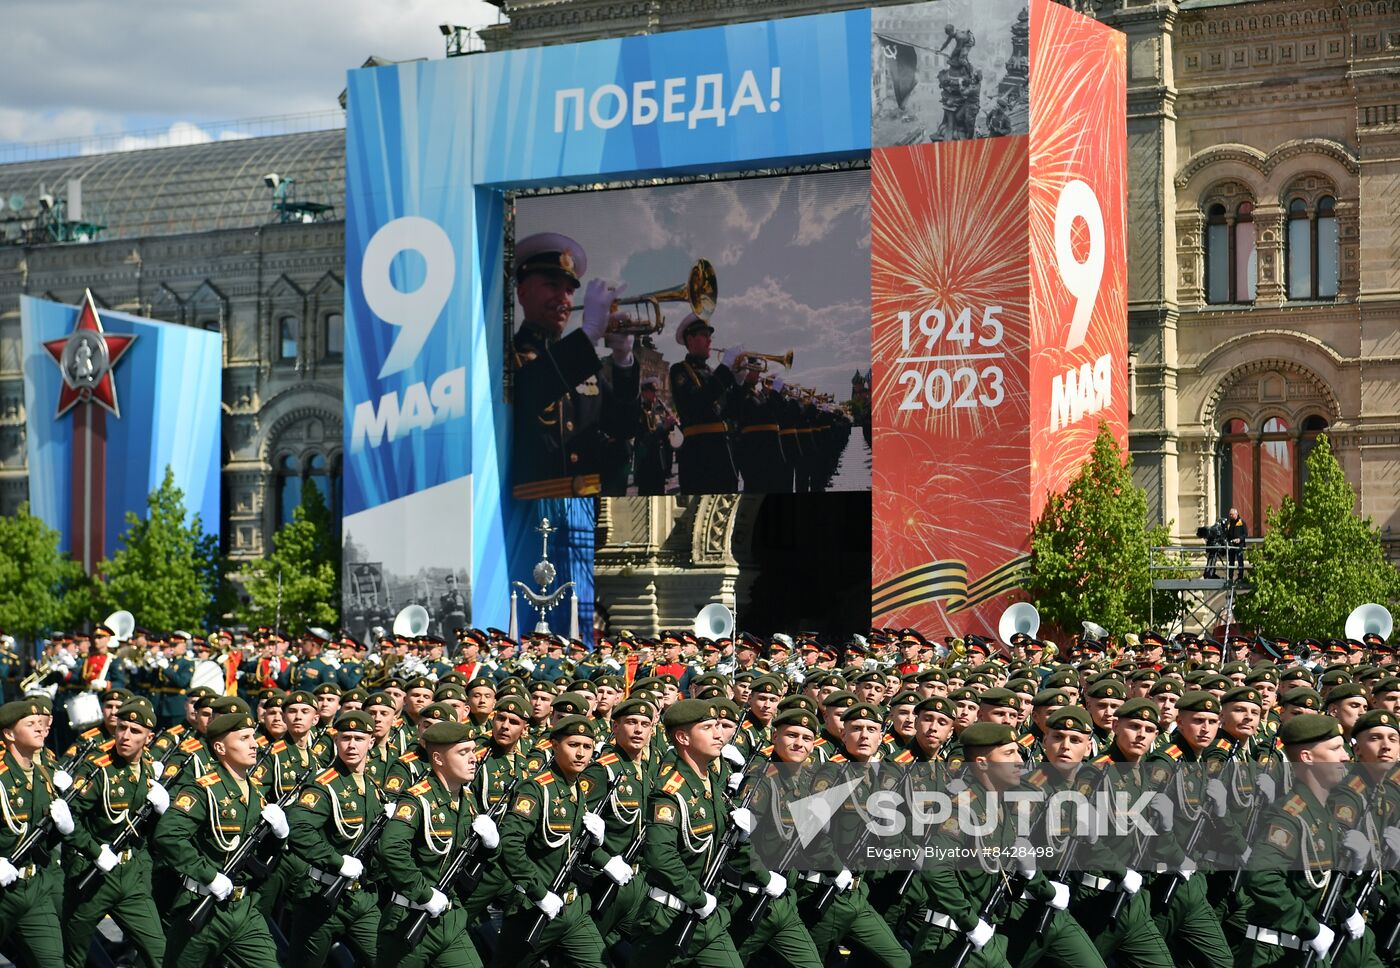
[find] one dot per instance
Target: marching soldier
(329, 823)
(206, 823)
(430, 820)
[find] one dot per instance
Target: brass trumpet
(700, 290)
(758, 362)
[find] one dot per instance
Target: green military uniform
(623, 812)
(538, 835)
(328, 821)
(195, 838)
(428, 823)
(113, 793)
(277, 775)
(28, 917)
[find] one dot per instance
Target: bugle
(642, 315)
(758, 362)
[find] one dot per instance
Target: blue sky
(101, 68)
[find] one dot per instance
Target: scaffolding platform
(1201, 604)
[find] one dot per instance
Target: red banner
(999, 335)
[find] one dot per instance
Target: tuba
(1369, 619)
(1021, 618)
(700, 291)
(715, 621)
(412, 621)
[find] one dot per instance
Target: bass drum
(209, 674)
(84, 710)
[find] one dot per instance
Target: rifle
(577, 852)
(629, 855)
(39, 828)
(454, 867)
(80, 754)
(1143, 846)
(731, 840)
(1251, 831)
(828, 895)
(1326, 910)
(332, 893)
(199, 917)
(1067, 861)
(129, 835)
(1368, 888)
(1192, 839)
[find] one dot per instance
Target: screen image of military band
(702, 338)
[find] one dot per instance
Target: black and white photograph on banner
(391, 562)
(950, 71)
(702, 338)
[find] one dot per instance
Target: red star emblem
(86, 358)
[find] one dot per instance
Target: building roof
(191, 188)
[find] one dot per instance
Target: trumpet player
(757, 449)
(568, 409)
(704, 398)
(652, 454)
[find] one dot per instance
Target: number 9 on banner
(415, 313)
(1082, 279)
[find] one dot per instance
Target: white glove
(1132, 881)
(707, 908)
(844, 880)
(106, 859)
(1322, 944)
(618, 870)
(595, 826)
(597, 307)
(776, 885)
(736, 780)
(1219, 799)
(62, 818)
(8, 874)
(1355, 925)
(528, 665)
(743, 819)
(100, 685)
(1188, 867)
(733, 756)
(778, 384)
(731, 354)
(1061, 899)
(1357, 850)
(621, 346)
(1162, 805)
(551, 904)
(221, 887)
(1023, 856)
(157, 768)
(163, 663)
(485, 828)
(351, 867)
(980, 935)
(158, 796)
(1265, 785)
(276, 819)
(1392, 840)
(62, 780)
(436, 904)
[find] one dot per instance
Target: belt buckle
(355, 885)
(239, 893)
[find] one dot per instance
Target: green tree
(298, 584)
(1319, 559)
(1089, 547)
(167, 572)
(41, 588)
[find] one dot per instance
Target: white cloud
(131, 67)
(818, 211)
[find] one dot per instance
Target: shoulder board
(1223, 744)
(280, 746)
(1037, 779)
(104, 760)
(1174, 751)
(1295, 805)
(3, 767)
(1103, 760)
(420, 788)
(1356, 784)
(327, 777)
(481, 752)
(208, 779)
(176, 730)
(191, 744)
(107, 744)
(837, 758)
(673, 783)
(543, 779)
(1027, 741)
(408, 757)
(89, 734)
(262, 742)
(905, 756)
(607, 759)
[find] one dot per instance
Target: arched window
(1258, 469)
(1231, 260)
(288, 488)
(1312, 249)
(287, 337)
(318, 473)
(335, 336)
